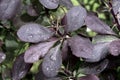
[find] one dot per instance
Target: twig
(114, 15)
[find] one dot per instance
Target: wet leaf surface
(116, 6)
(89, 77)
(34, 33)
(31, 11)
(9, 8)
(103, 38)
(75, 18)
(35, 52)
(80, 46)
(50, 4)
(52, 62)
(64, 50)
(95, 24)
(20, 68)
(100, 51)
(41, 76)
(94, 68)
(114, 48)
(116, 9)
(66, 3)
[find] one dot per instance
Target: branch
(114, 15)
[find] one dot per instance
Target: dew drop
(47, 68)
(53, 57)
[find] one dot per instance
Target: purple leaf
(2, 57)
(116, 6)
(114, 48)
(75, 18)
(103, 38)
(31, 11)
(41, 76)
(100, 51)
(37, 51)
(54, 78)
(52, 62)
(89, 77)
(9, 8)
(95, 24)
(116, 9)
(93, 68)
(64, 50)
(66, 3)
(20, 68)
(80, 46)
(50, 4)
(33, 32)
(64, 21)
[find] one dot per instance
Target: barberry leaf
(75, 18)
(34, 33)
(81, 46)
(95, 24)
(114, 48)
(9, 8)
(93, 68)
(41, 76)
(66, 3)
(103, 38)
(89, 77)
(52, 62)
(35, 52)
(20, 68)
(50, 4)
(31, 11)
(64, 50)
(116, 6)
(100, 51)
(116, 9)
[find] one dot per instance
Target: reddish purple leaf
(2, 57)
(52, 62)
(66, 3)
(116, 9)
(103, 38)
(20, 68)
(95, 24)
(50, 4)
(41, 76)
(35, 52)
(114, 47)
(33, 32)
(9, 8)
(64, 21)
(80, 46)
(116, 6)
(31, 11)
(89, 77)
(64, 50)
(100, 51)
(75, 18)
(93, 68)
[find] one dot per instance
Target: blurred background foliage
(12, 46)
